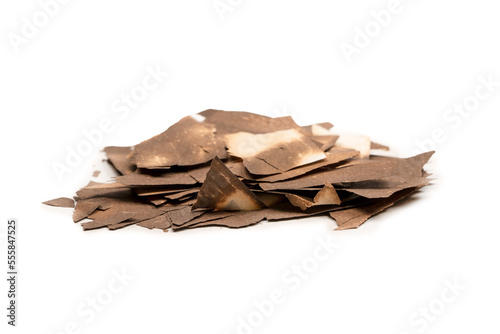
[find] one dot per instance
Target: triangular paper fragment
(62, 202)
(327, 195)
(222, 190)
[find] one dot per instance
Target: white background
(273, 58)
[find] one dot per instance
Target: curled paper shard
(222, 190)
(273, 152)
(300, 201)
(326, 196)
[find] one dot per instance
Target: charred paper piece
(356, 216)
(159, 222)
(326, 196)
(236, 169)
(222, 190)
(121, 210)
(365, 170)
(84, 208)
(334, 156)
(237, 121)
(186, 143)
(273, 152)
(156, 178)
(94, 189)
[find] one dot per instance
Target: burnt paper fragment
(62, 202)
(273, 152)
(356, 216)
(186, 143)
(222, 190)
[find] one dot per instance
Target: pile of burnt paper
(235, 169)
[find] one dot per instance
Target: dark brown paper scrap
(237, 121)
(326, 196)
(222, 190)
(160, 222)
(84, 208)
(273, 152)
(355, 217)
(363, 170)
(334, 156)
(156, 178)
(95, 189)
(62, 202)
(186, 143)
